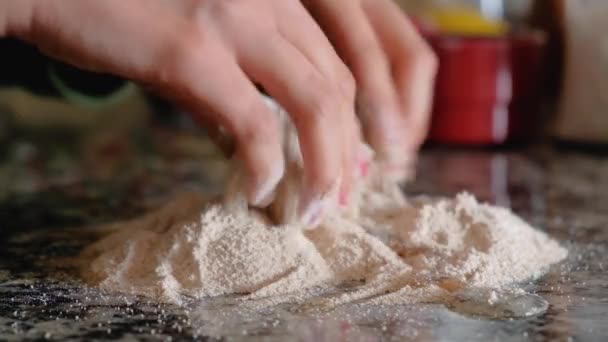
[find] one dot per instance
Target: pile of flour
(199, 248)
(390, 246)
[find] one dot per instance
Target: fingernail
(365, 153)
(344, 198)
(311, 216)
(270, 103)
(364, 169)
(265, 200)
(264, 192)
(313, 208)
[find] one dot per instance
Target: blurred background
(518, 70)
(513, 74)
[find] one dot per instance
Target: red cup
(527, 53)
(486, 89)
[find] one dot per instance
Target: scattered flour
(383, 248)
(405, 251)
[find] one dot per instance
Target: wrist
(15, 17)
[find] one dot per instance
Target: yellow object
(466, 21)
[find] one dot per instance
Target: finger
(233, 102)
(413, 65)
(377, 103)
(315, 109)
(350, 162)
(299, 28)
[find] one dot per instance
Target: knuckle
(321, 107)
(318, 101)
(227, 9)
(420, 60)
(256, 126)
(371, 46)
(328, 180)
(180, 58)
(426, 59)
(251, 134)
(183, 56)
(347, 82)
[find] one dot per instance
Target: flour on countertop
(392, 247)
(197, 248)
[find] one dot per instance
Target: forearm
(15, 17)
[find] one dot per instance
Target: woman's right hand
(206, 55)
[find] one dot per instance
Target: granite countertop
(51, 194)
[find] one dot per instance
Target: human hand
(206, 55)
(394, 69)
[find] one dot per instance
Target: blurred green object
(85, 100)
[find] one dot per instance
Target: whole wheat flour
(384, 246)
(198, 248)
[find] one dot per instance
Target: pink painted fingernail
(364, 169)
(344, 198)
(365, 152)
(365, 157)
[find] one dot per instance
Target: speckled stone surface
(563, 193)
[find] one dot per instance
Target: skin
(322, 60)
